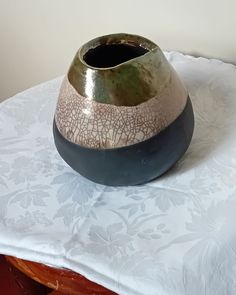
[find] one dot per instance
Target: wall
(39, 38)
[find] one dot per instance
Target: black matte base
(134, 164)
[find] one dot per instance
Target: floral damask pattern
(174, 235)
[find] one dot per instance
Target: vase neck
(119, 69)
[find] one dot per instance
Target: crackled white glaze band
(97, 125)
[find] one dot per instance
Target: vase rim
(113, 39)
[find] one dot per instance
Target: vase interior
(110, 55)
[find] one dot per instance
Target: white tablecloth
(175, 235)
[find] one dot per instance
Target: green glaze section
(128, 87)
(127, 84)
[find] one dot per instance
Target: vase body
(123, 116)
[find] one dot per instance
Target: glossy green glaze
(128, 83)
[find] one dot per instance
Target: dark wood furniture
(61, 281)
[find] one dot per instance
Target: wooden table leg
(63, 281)
(14, 282)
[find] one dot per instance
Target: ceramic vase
(123, 116)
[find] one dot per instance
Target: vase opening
(110, 55)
